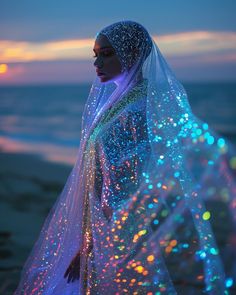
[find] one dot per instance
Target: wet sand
(29, 186)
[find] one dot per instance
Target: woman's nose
(98, 63)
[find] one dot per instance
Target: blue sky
(29, 28)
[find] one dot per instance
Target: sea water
(46, 119)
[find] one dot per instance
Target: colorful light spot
(210, 140)
(220, 142)
(164, 213)
(233, 163)
(185, 246)
(168, 249)
(173, 243)
(139, 269)
(205, 126)
(150, 258)
(135, 238)
(206, 215)
(177, 174)
(198, 131)
(202, 255)
(200, 277)
(142, 232)
(229, 282)
(214, 251)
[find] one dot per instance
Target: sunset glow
(3, 68)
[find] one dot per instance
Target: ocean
(46, 119)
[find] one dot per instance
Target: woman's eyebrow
(106, 47)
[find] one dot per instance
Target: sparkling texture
(151, 197)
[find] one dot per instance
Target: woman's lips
(100, 74)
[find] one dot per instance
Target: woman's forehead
(102, 41)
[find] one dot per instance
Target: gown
(148, 243)
(120, 154)
(147, 236)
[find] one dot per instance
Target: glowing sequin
(229, 282)
(233, 162)
(206, 215)
(139, 269)
(150, 258)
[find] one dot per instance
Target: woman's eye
(105, 53)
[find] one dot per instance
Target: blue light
(177, 174)
(221, 142)
(205, 126)
(210, 140)
(199, 131)
(229, 282)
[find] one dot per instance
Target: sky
(51, 42)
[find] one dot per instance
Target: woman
(149, 207)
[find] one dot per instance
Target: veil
(176, 226)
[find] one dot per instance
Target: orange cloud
(199, 42)
(13, 51)
(179, 44)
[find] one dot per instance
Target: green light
(206, 215)
(233, 162)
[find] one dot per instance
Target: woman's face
(108, 66)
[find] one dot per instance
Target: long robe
(144, 241)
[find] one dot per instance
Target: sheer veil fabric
(166, 177)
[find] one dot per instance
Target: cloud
(179, 44)
(192, 43)
(14, 51)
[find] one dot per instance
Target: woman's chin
(104, 78)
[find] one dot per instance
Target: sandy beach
(29, 185)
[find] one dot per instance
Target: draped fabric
(153, 188)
